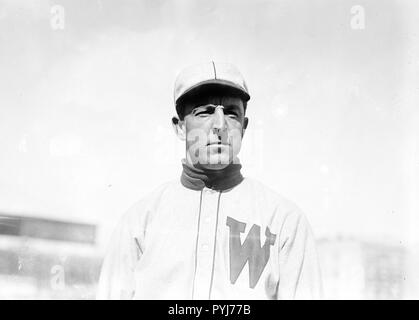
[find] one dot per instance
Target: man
(212, 234)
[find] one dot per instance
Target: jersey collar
(224, 179)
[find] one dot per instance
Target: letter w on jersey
(250, 250)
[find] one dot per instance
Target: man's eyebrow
(204, 106)
(211, 107)
(232, 107)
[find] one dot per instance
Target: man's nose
(219, 120)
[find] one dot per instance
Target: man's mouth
(216, 144)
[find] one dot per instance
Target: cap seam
(215, 70)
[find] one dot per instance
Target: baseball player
(212, 234)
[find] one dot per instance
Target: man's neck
(196, 178)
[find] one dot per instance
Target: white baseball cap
(224, 74)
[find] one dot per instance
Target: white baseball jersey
(243, 243)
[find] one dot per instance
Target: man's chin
(217, 162)
(214, 166)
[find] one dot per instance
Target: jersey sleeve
(116, 281)
(299, 271)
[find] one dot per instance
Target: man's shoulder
(159, 191)
(152, 198)
(267, 194)
(258, 187)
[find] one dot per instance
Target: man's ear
(245, 123)
(179, 128)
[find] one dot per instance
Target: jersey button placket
(205, 248)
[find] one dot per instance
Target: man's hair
(195, 96)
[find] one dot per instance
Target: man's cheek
(195, 142)
(198, 153)
(235, 140)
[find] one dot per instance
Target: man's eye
(232, 115)
(202, 113)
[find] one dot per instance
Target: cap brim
(217, 82)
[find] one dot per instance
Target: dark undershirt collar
(198, 178)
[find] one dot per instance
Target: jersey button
(209, 190)
(205, 247)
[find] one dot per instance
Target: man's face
(214, 131)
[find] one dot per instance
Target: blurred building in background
(50, 259)
(47, 259)
(356, 269)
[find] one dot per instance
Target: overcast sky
(85, 110)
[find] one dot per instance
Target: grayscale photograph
(209, 150)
